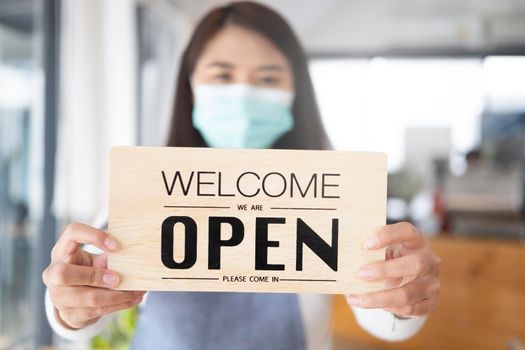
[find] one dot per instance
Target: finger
(83, 297)
(410, 293)
(100, 261)
(402, 232)
(393, 283)
(61, 274)
(80, 317)
(76, 234)
(104, 310)
(410, 265)
(389, 253)
(423, 308)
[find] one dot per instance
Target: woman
(243, 83)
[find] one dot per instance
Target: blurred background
(439, 85)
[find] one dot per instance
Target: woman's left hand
(411, 273)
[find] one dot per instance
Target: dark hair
(308, 131)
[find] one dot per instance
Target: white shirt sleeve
(384, 325)
(78, 335)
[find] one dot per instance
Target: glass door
(21, 148)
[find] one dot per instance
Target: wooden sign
(202, 219)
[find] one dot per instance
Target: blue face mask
(241, 116)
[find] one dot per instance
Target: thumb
(100, 261)
(389, 253)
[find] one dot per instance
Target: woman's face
(236, 55)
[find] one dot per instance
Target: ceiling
(17, 14)
(341, 27)
(364, 27)
(16, 28)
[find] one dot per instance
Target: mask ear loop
(192, 84)
(292, 100)
(192, 87)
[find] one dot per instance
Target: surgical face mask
(241, 115)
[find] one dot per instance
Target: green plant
(119, 332)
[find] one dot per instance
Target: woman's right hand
(79, 282)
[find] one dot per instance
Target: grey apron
(205, 321)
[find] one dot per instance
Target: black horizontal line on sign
(300, 208)
(191, 278)
(196, 206)
(305, 279)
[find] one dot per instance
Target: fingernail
(137, 300)
(110, 279)
(140, 293)
(354, 301)
(110, 244)
(370, 243)
(364, 273)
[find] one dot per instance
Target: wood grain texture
(139, 204)
(482, 301)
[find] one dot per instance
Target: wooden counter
(482, 303)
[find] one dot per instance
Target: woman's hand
(79, 282)
(411, 273)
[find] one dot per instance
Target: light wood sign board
(202, 219)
